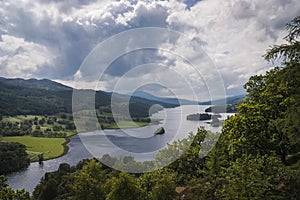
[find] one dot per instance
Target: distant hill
(235, 99)
(229, 100)
(45, 84)
(174, 101)
(230, 107)
(40, 97)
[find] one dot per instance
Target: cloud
(20, 58)
(145, 14)
(52, 38)
(236, 33)
(72, 33)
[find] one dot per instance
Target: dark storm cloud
(130, 60)
(69, 40)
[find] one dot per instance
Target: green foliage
(158, 185)
(13, 157)
(229, 108)
(268, 118)
(252, 177)
(45, 97)
(184, 156)
(37, 126)
(49, 147)
(261, 125)
(58, 184)
(257, 155)
(91, 180)
(88, 182)
(289, 52)
(123, 187)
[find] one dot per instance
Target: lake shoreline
(66, 147)
(138, 139)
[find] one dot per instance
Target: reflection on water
(138, 142)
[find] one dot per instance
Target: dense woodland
(48, 101)
(257, 155)
(13, 157)
(45, 97)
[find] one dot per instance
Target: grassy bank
(125, 124)
(50, 147)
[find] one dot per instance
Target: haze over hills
(229, 100)
(40, 97)
(32, 96)
(176, 101)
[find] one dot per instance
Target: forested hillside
(45, 97)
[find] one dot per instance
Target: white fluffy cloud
(20, 58)
(236, 33)
(51, 38)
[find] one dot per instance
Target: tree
(123, 187)
(257, 155)
(88, 182)
(13, 157)
(252, 177)
(290, 51)
(261, 125)
(158, 185)
(190, 155)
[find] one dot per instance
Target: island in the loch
(202, 116)
(215, 122)
(159, 131)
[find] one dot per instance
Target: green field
(125, 124)
(50, 147)
(53, 147)
(20, 118)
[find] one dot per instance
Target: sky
(211, 44)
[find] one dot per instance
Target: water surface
(138, 142)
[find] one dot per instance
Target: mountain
(19, 96)
(45, 84)
(40, 97)
(229, 100)
(235, 99)
(174, 101)
(230, 107)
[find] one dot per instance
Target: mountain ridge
(45, 84)
(46, 97)
(146, 95)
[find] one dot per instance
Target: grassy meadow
(50, 147)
